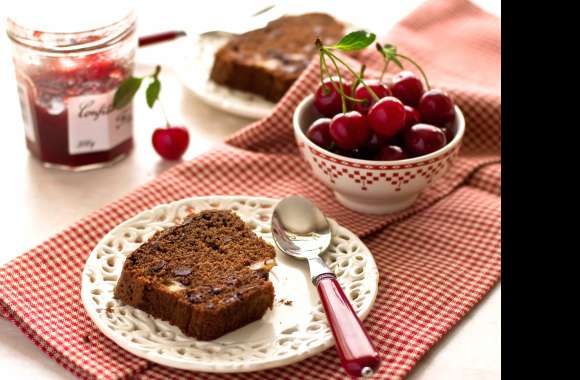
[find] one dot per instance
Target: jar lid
(68, 16)
(68, 24)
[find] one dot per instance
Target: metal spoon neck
(318, 268)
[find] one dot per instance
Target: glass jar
(67, 76)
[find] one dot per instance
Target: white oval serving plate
(295, 329)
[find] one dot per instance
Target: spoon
(302, 231)
(227, 32)
(234, 30)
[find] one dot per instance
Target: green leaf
(355, 41)
(397, 62)
(152, 93)
(126, 92)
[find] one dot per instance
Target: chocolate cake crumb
(191, 276)
(285, 302)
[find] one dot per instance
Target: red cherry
(412, 117)
(362, 92)
(448, 134)
(318, 133)
(407, 88)
(354, 153)
(171, 142)
(450, 130)
(398, 139)
(327, 100)
(387, 117)
(390, 153)
(436, 107)
(423, 139)
(349, 130)
(372, 146)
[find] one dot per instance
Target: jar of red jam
(67, 75)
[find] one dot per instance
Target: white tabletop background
(38, 202)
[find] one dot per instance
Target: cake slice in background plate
(267, 61)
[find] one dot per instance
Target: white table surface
(41, 202)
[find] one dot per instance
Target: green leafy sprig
(351, 42)
(129, 87)
(390, 54)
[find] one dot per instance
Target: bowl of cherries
(377, 144)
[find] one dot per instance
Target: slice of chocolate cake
(267, 61)
(208, 275)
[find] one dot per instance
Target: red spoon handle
(357, 354)
(160, 37)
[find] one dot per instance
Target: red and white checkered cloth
(436, 260)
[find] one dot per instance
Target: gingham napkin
(436, 260)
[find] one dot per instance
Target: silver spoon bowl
(302, 231)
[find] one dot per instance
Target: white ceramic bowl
(373, 187)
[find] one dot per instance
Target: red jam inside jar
(66, 96)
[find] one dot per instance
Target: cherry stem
(324, 70)
(322, 64)
(370, 90)
(156, 72)
(155, 76)
(319, 43)
(164, 114)
(356, 83)
(418, 68)
(385, 67)
(343, 95)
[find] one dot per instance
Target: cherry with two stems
(349, 129)
(170, 142)
(405, 85)
(435, 106)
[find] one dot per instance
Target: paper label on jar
(26, 113)
(93, 124)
